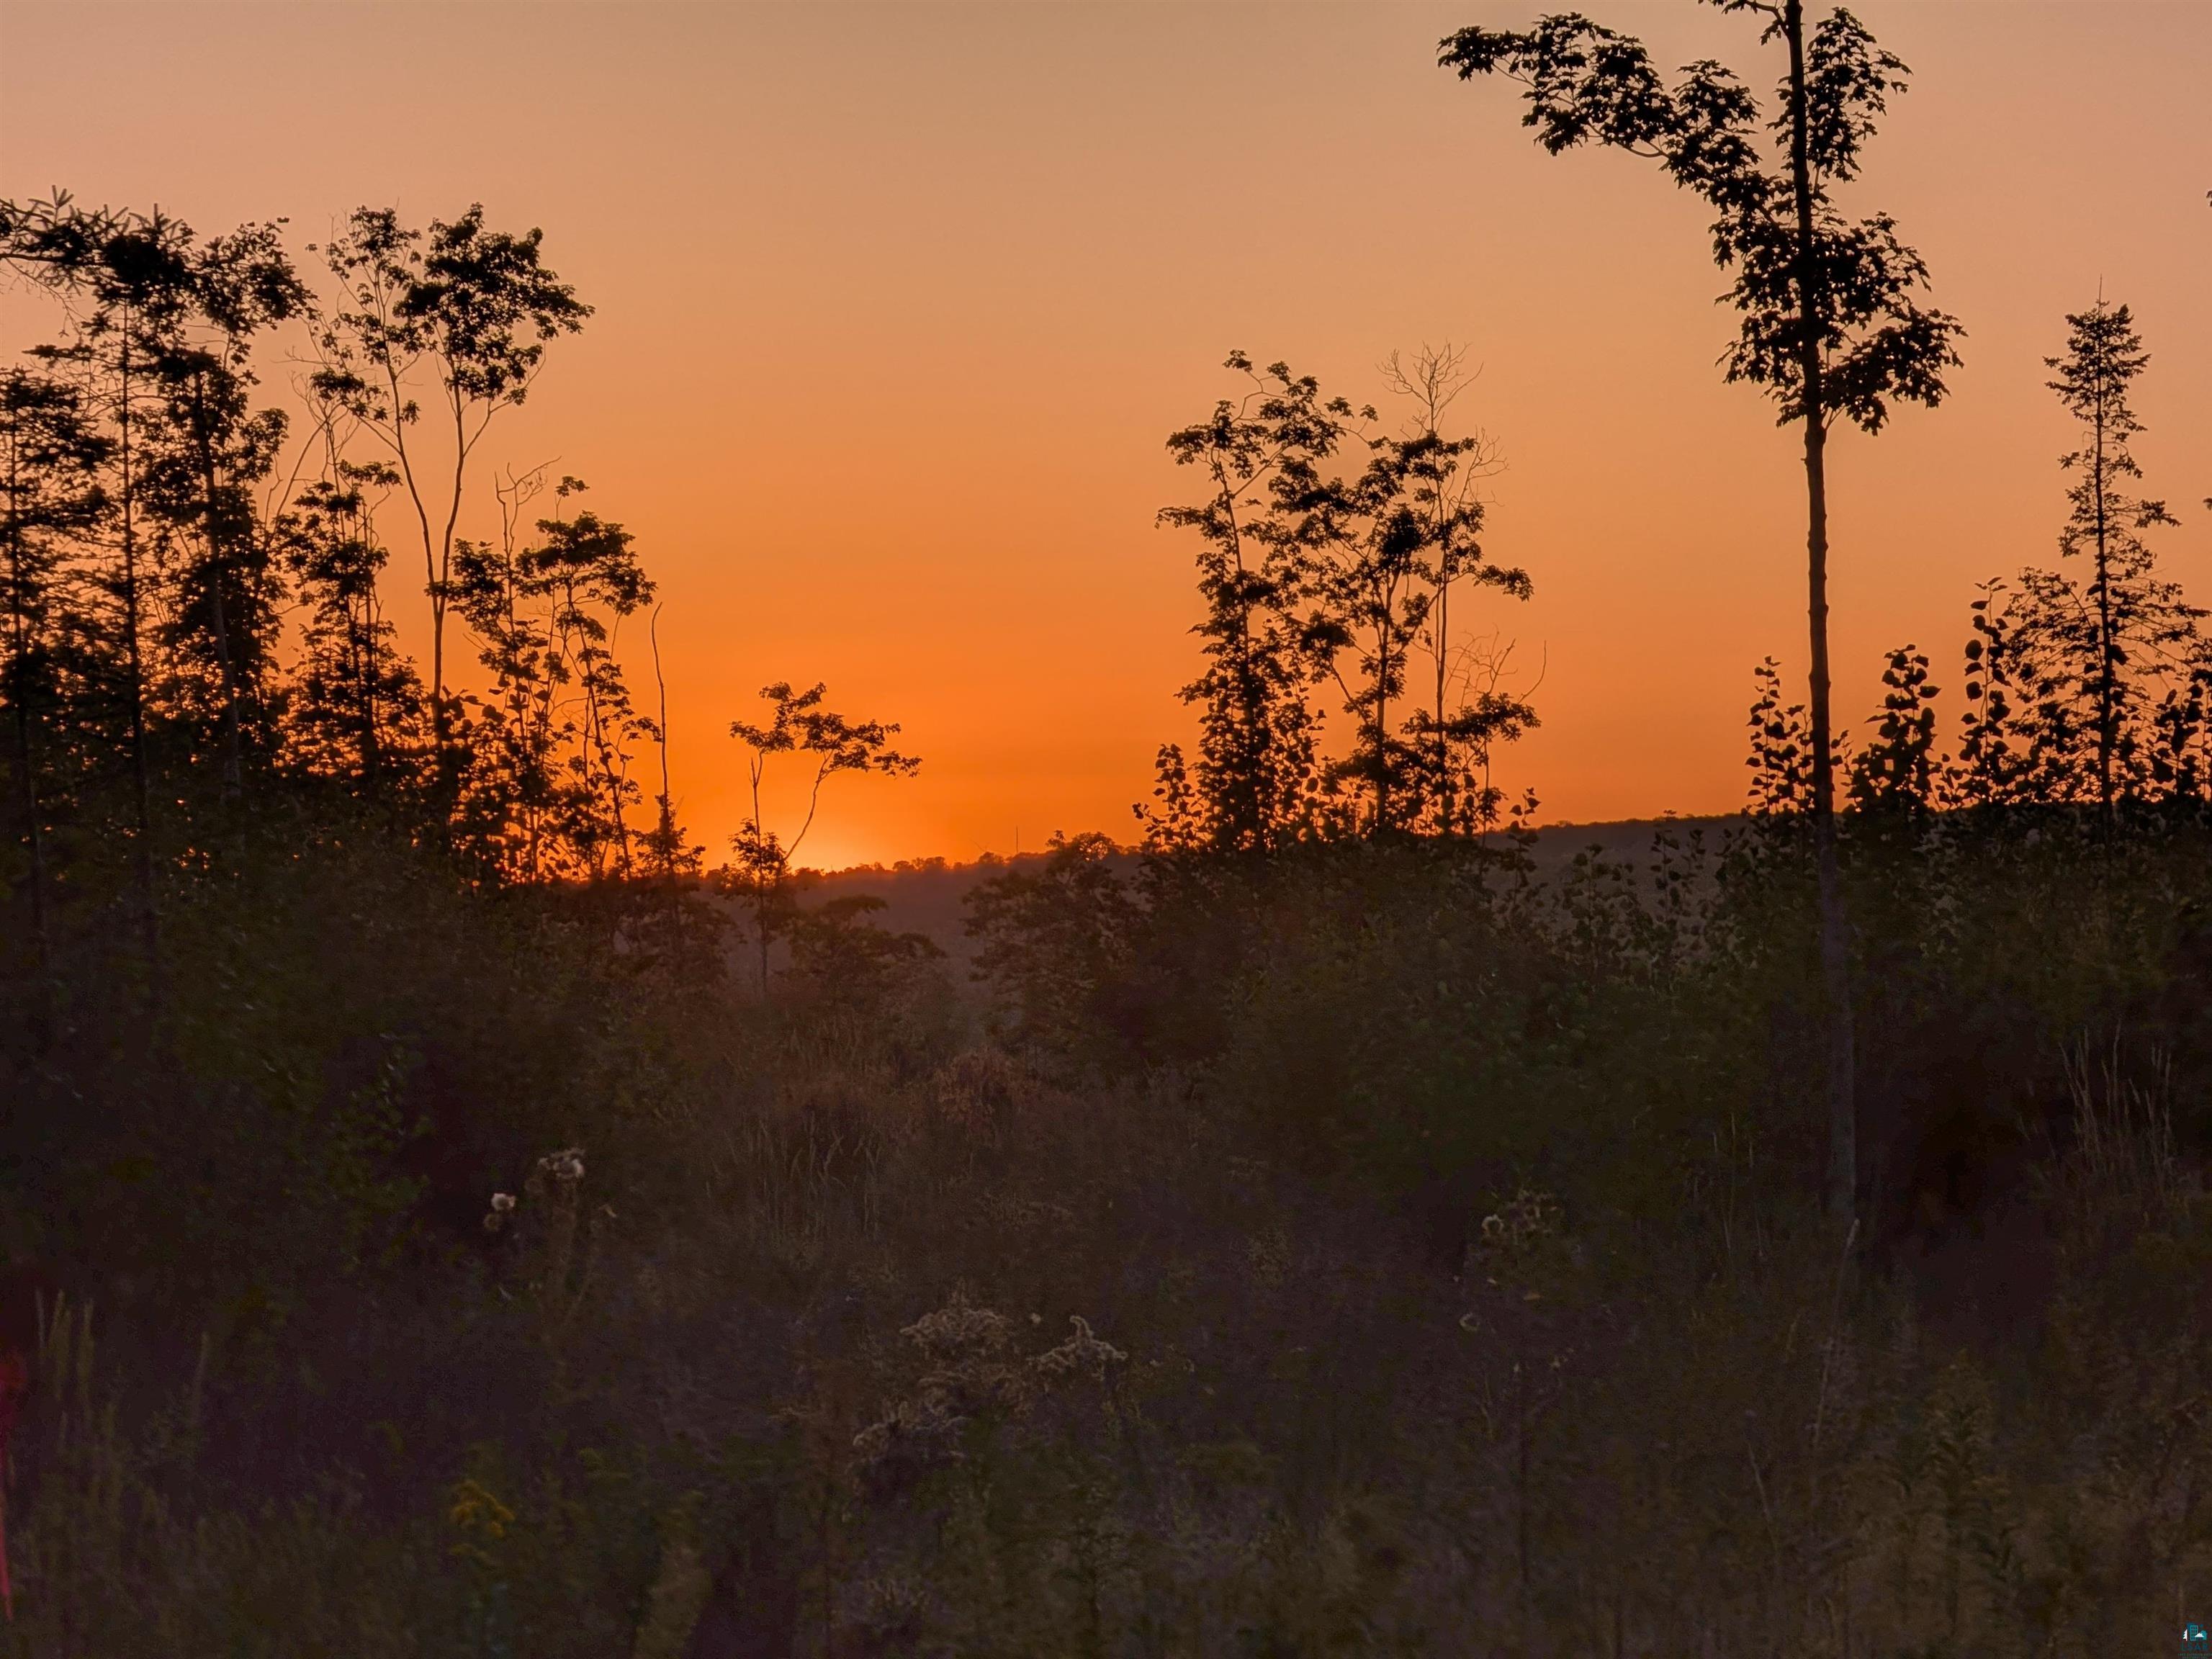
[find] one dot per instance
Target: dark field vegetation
(439, 1215)
(1364, 1253)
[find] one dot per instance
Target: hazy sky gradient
(896, 305)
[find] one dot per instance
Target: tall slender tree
(508, 807)
(213, 448)
(50, 460)
(1435, 477)
(2098, 647)
(1830, 326)
(588, 571)
(356, 700)
(137, 289)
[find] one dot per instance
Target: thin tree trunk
(364, 651)
(1835, 960)
(35, 834)
(233, 756)
(665, 826)
(1444, 803)
(759, 926)
(431, 587)
(2108, 695)
(1834, 947)
(447, 768)
(760, 879)
(140, 770)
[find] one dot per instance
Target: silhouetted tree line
(198, 652)
(2085, 685)
(195, 584)
(1320, 581)
(1346, 1230)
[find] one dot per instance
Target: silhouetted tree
(1268, 514)
(1781, 758)
(473, 307)
(588, 570)
(545, 617)
(1375, 591)
(52, 241)
(1309, 576)
(1419, 545)
(50, 460)
(2098, 648)
(210, 449)
(508, 808)
(1995, 762)
(1829, 324)
(800, 725)
(137, 293)
(1897, 771)
(356, 701)
(673, 857)
(842, 958)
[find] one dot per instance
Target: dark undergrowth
(1375, 1252)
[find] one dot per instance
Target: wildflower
(955, 1327)
(1082, 1351)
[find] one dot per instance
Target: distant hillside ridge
(929, 896)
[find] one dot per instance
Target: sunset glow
(894, 307)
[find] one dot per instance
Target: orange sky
(895, 305)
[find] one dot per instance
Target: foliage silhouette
(1333, 1227)
(1829, 324)
(1311, 578)
(798, 725)
(475, 307)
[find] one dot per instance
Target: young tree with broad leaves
(798, 725)
(1830, 323)
(1897, 771)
